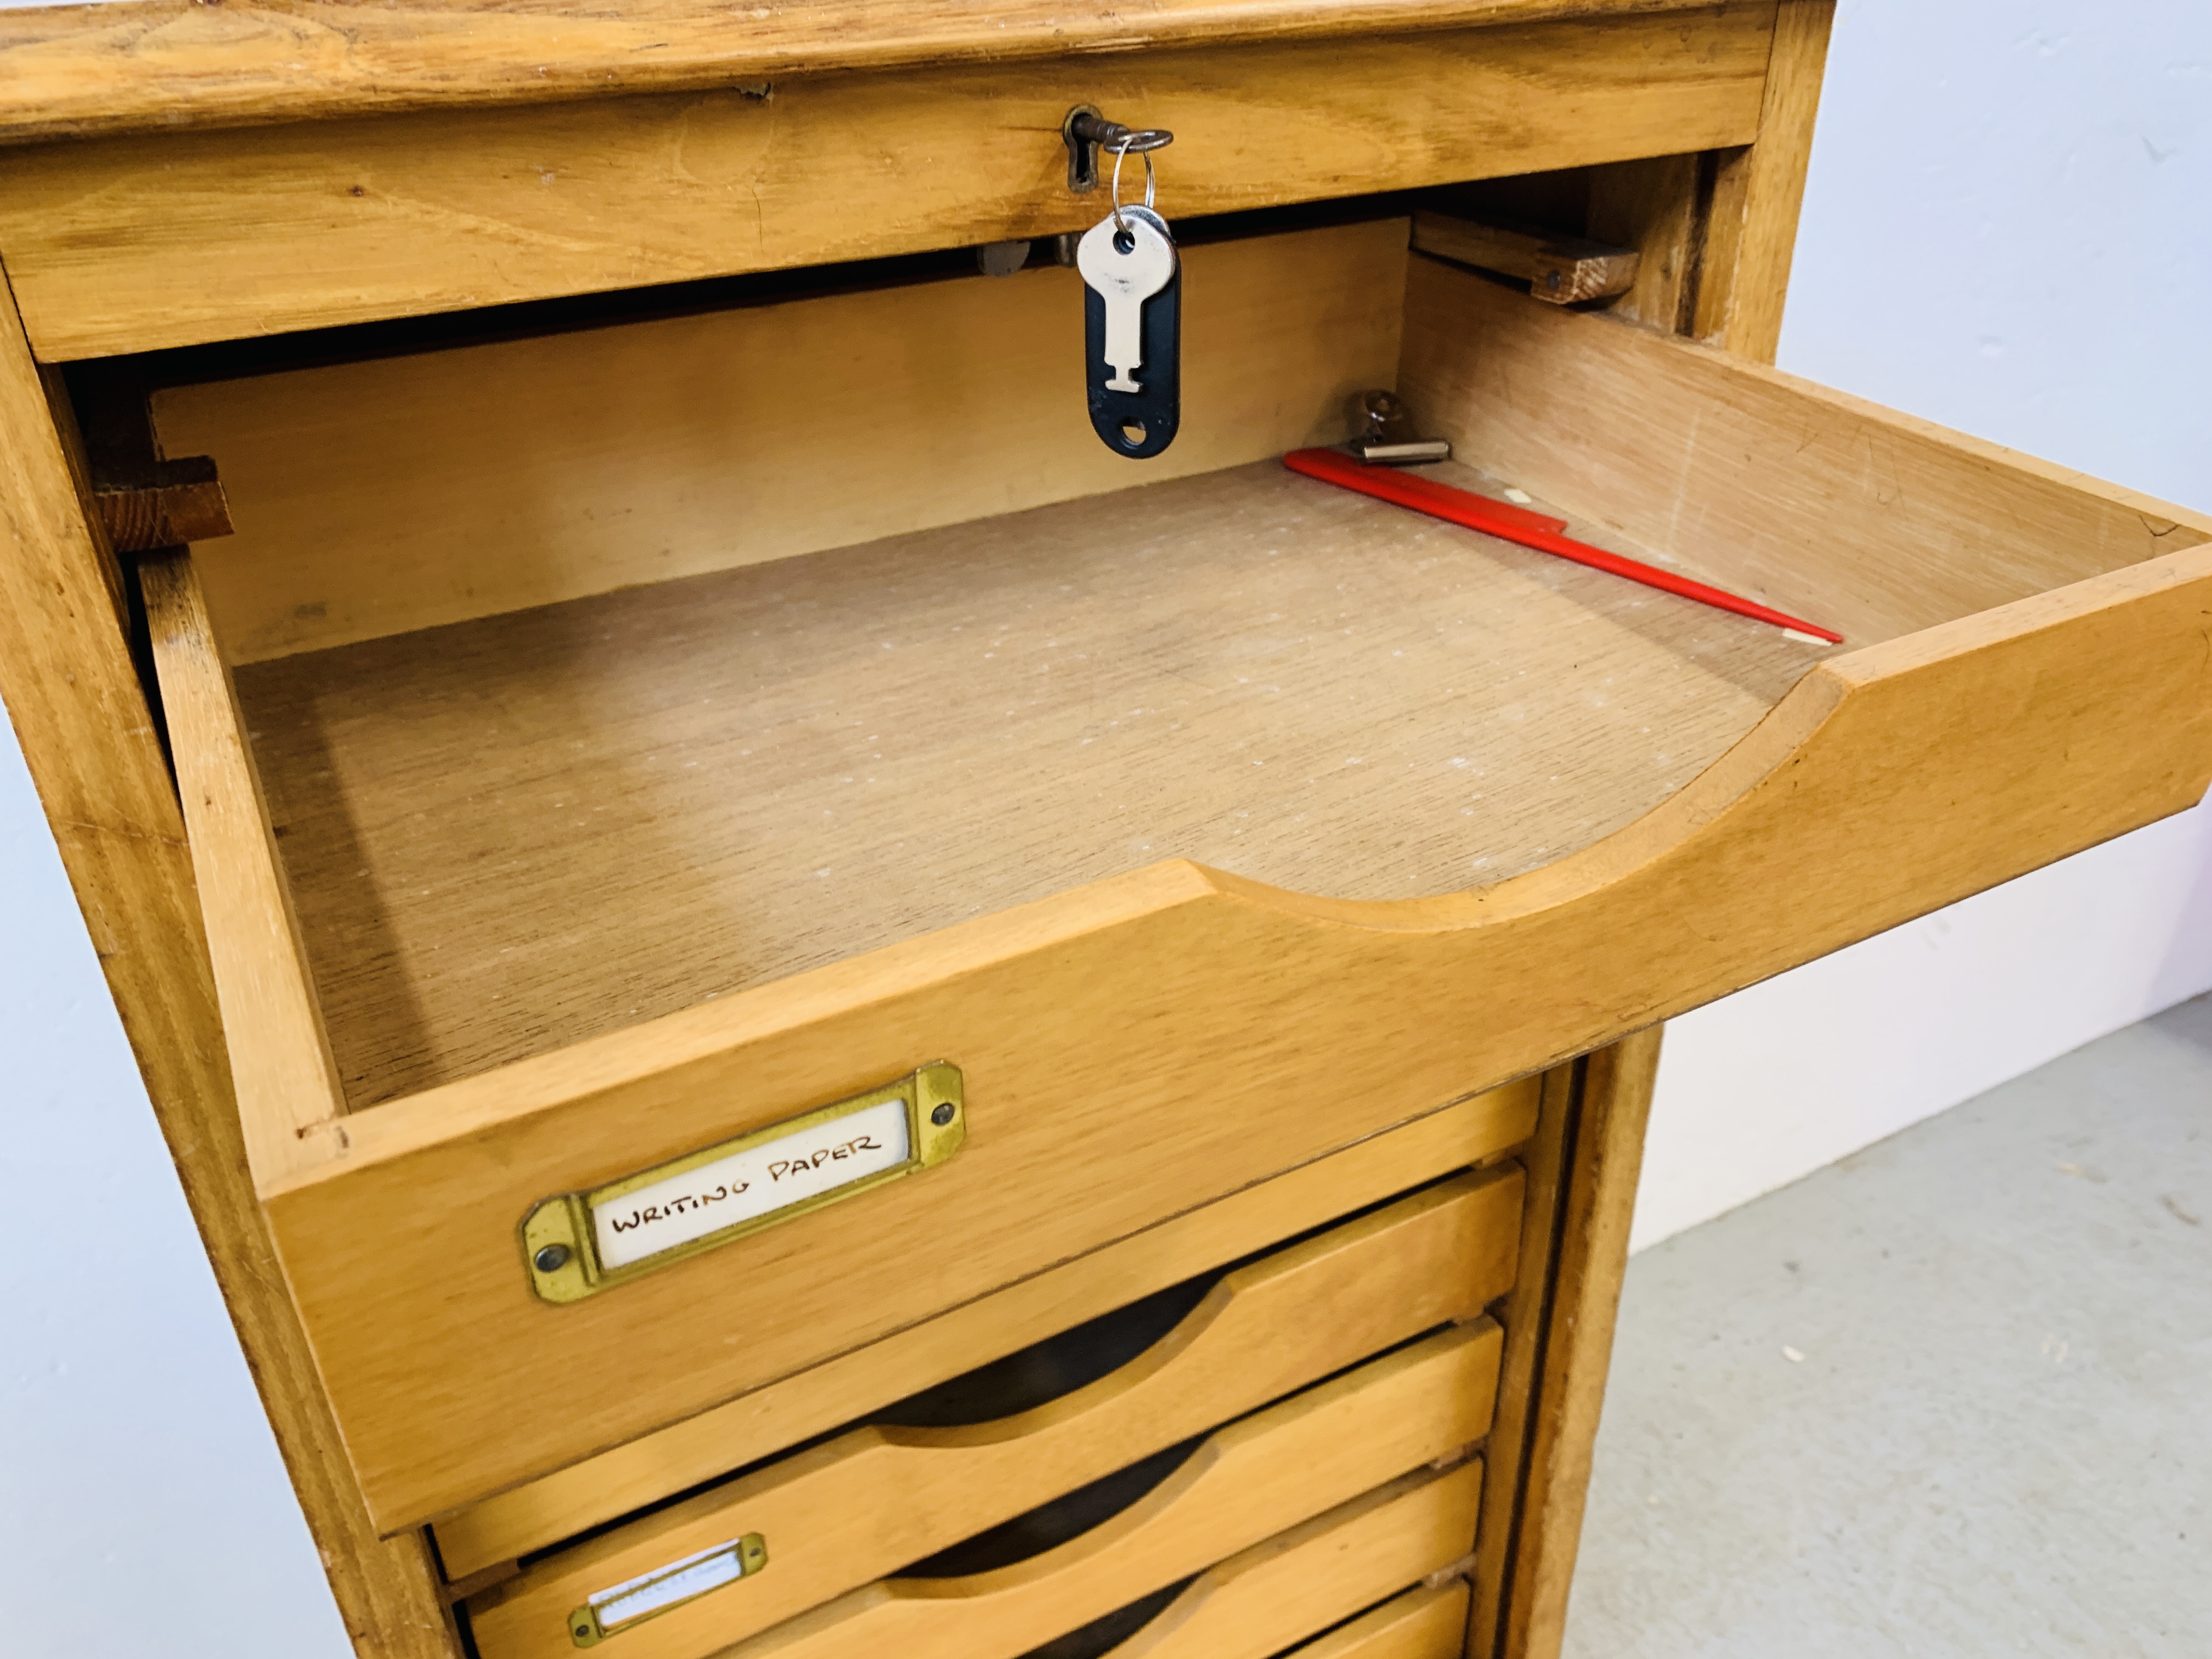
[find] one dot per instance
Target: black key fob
(1132, 365)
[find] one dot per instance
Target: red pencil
(1531, 530)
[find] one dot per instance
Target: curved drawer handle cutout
(1242, 1306)
(1059, 1522)
(1294, 1460)
(1047, 1372)
(874, 1501)
(1054, 1368)
(1105, 1637)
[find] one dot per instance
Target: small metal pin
(1389, 438)
(944, 1114)
(1001, 258)
(551, 1259)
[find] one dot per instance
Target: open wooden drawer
(667, 731)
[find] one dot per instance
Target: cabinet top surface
(154, 66)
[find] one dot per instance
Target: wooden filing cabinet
(657, 693)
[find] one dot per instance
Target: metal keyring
(1121, 155)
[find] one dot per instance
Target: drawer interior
(590, 676)
(593, 676)
(584, 730)
(506, 834)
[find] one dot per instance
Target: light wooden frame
(1716, 235)
(2031, 684)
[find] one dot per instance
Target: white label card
(748, 1184)
(693, 1576)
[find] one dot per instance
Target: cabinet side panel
(1593, 1255)
(1525, 1316)
(1758, 192)
(74, 696)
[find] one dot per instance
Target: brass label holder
(614, 1610)
(577, 1244)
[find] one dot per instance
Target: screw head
(551, 1259)
(944, 1114)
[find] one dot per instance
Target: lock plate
(578, 1244)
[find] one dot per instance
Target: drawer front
(128, 244)
(537, 1517)
(866, 1504)
(421, 1363)
(1259, 1602)
(1273, 1470)
(1422, 1624)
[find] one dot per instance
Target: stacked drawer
(1231, 1465)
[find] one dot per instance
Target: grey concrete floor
(1951, 1397)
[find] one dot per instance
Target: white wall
(2007, 230)
(144, 1510)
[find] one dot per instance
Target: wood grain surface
(122, 245)
(1723, 228)
(1652, 206)
(94, 754)
(510, 834)
(1824, 505)
(289, 1096)
(1752, 234)
(161, 64)
(1259, 1602)
(1546, 1163)
(1422, 1624)
(400, 493)
(1593, 1255)
(1560, 271)
(171, 503)
(877, 1498)
(867, 1502)
(645, 1470)
(132, 243)
(1277, 1468)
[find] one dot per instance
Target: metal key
(1125, 278)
